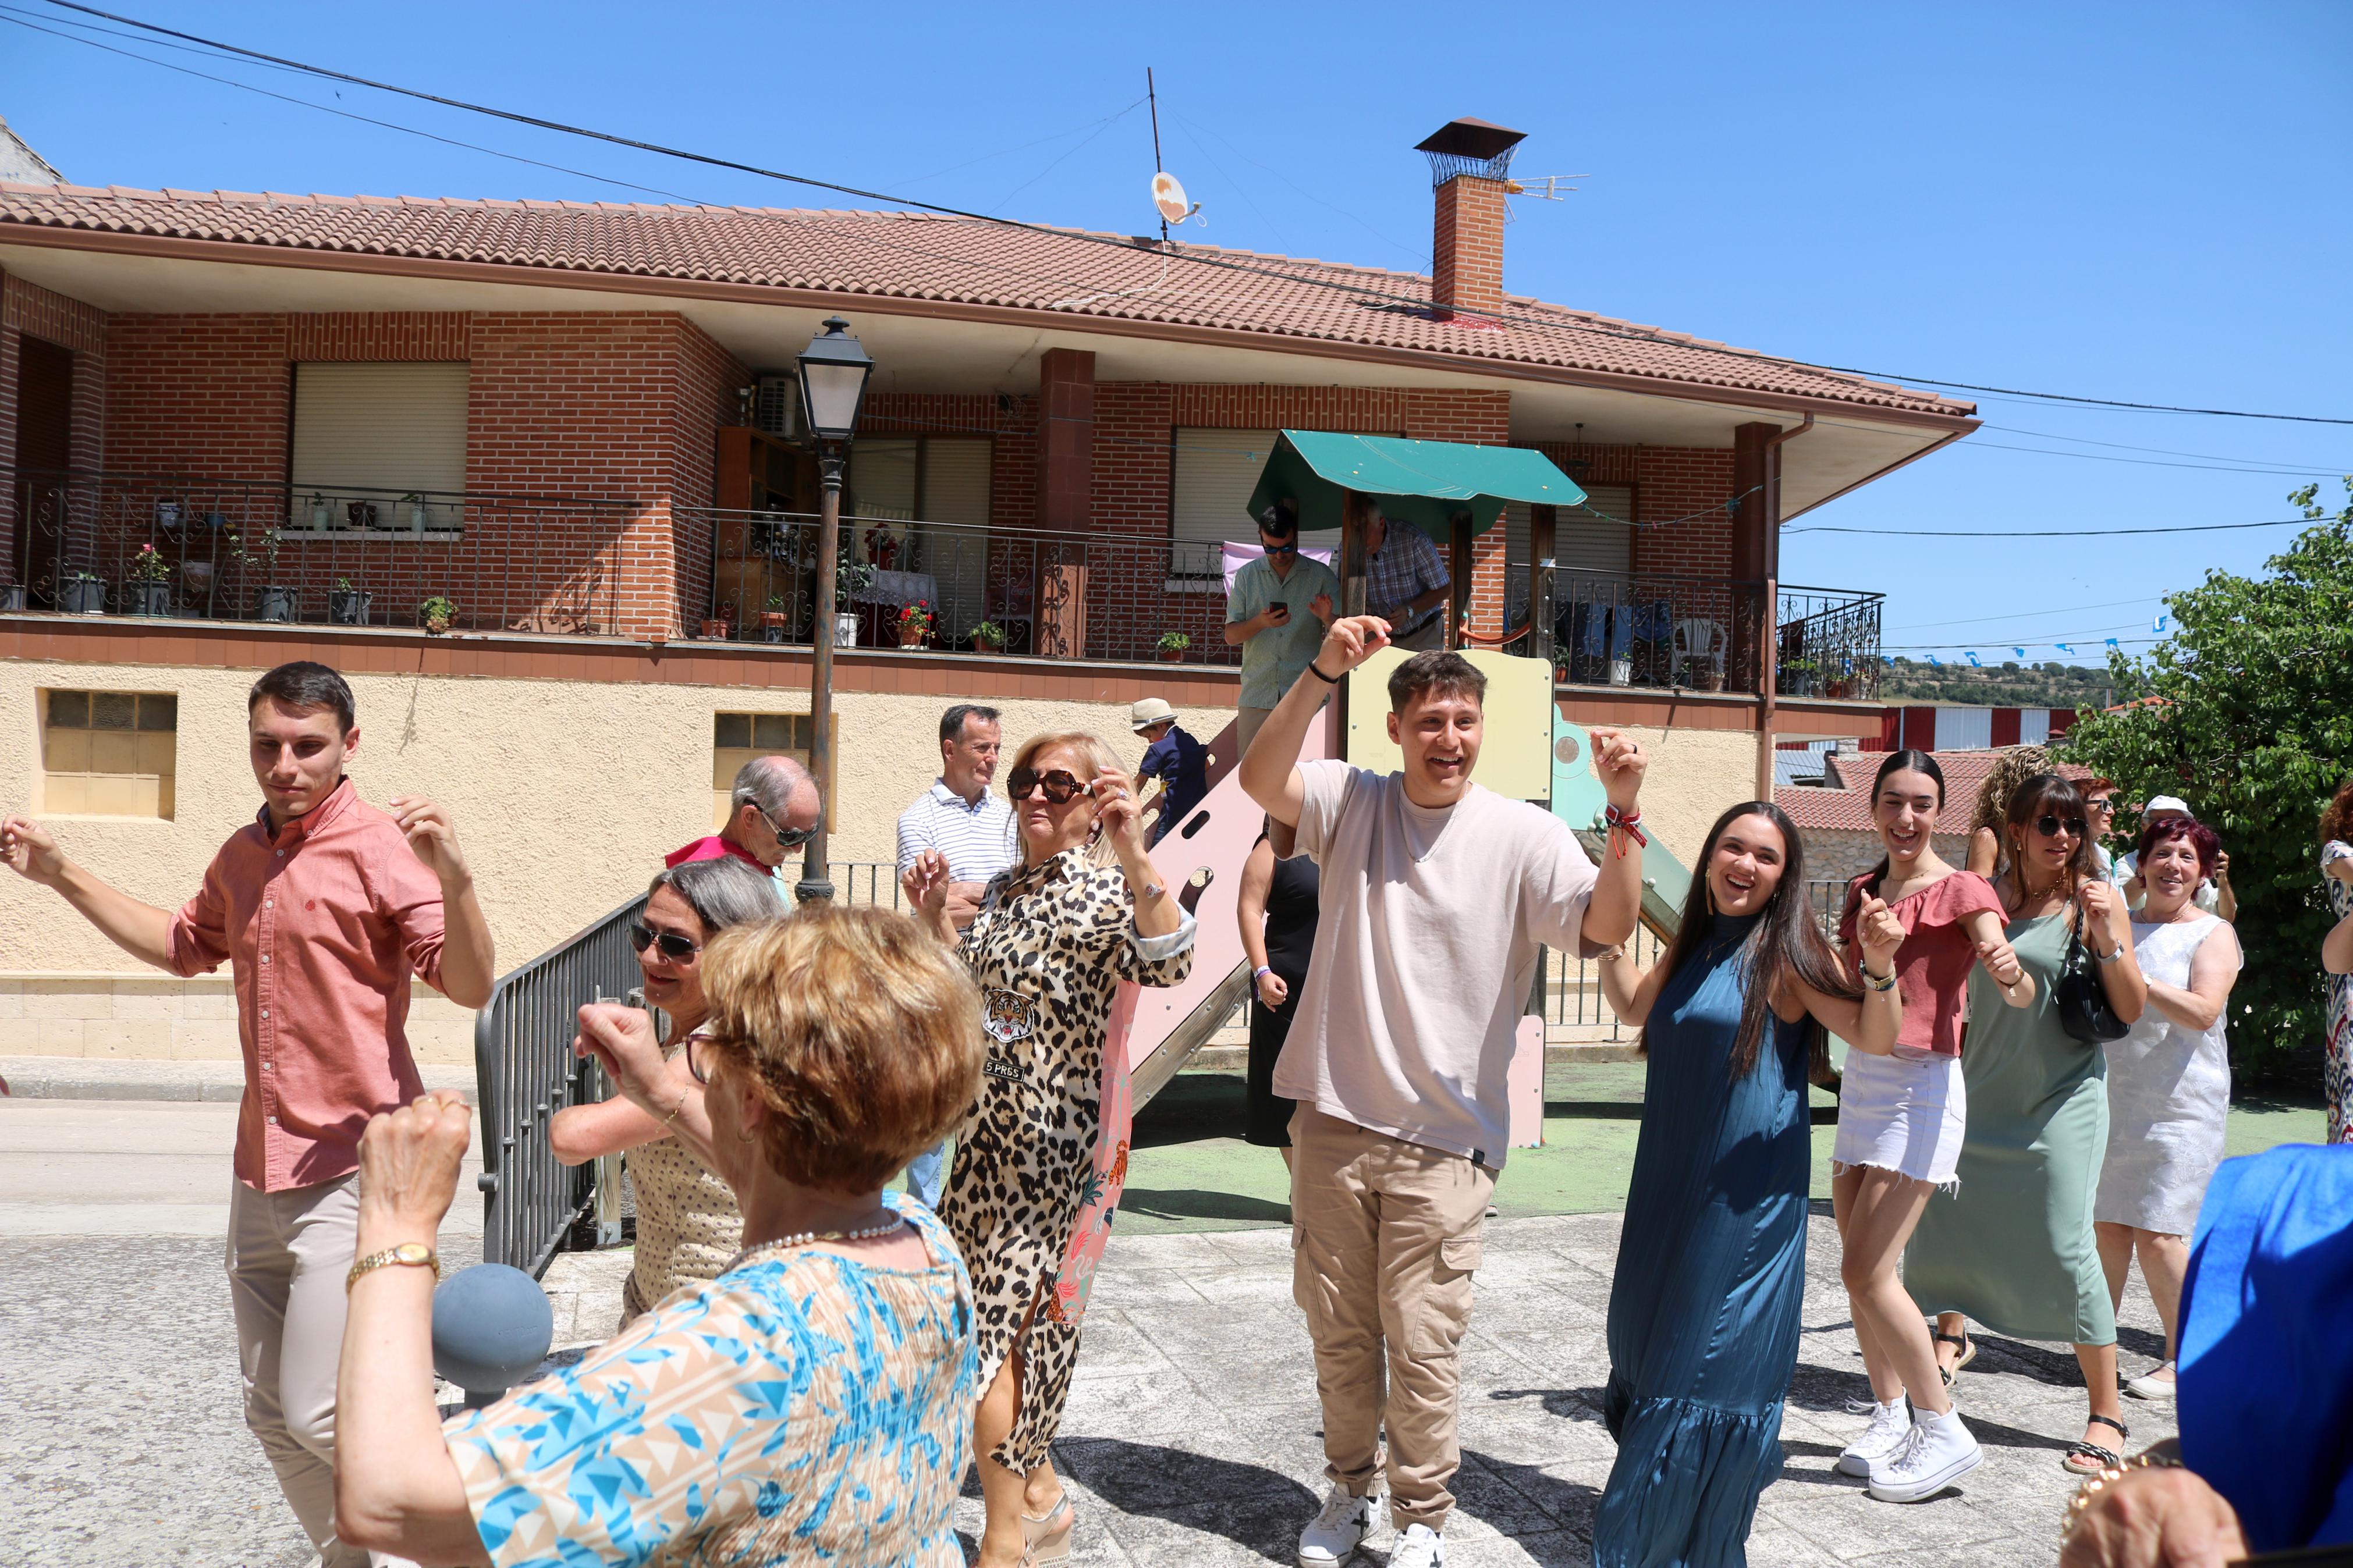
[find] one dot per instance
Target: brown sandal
(1969, 1353)
(2101, 1459)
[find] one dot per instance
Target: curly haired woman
(2015, 766)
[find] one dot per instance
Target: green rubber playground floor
(1188, 1168)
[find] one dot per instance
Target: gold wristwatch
(410, 1254)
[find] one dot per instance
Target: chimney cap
(1473, 147)
(1473, 139)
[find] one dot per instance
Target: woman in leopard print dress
(1056, 935)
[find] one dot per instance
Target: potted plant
(322, 513)
(988, 637)
(82, 594)
(12, 596)
(883, 548)
(1712, 679)
(438, 613)
(1797, 677)
(347, 606)
(360, 513)
(1621, 671)
(419, 514)
(272, 600)
(1172, 647)
(168, 514)
(719, 627)
(775, 616)
(915, 622)
(151, 583)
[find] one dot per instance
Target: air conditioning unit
(777, 405)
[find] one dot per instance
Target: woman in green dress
(2012, 1246)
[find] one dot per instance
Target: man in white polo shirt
(960, 818)
(1438, 900)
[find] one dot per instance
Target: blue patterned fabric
(803, 1407)
(1703, 1311)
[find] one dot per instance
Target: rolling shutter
(1210, 490)
(379, 431)
(955, 490)
(1585, 538)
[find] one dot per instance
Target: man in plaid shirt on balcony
(1406, 584)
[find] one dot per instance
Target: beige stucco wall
(566, 795)
(1693, 777)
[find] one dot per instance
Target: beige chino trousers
(289, 1252)
(1387, 1236)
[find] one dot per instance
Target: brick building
(242, 428)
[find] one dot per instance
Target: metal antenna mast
(1152, 95)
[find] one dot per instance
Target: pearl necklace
(809, 1238)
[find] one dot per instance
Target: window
(737, 738)
(1211, 478)
(378, 432)
(930, 478)
(109, 754)
(1595, 537)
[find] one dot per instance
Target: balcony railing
(1828, 644)
(1054, 595)
(164, 546)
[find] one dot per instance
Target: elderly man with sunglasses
(1276, 614)
(772, 811)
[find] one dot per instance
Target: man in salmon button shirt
(324, 908)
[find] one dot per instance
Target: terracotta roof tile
(1830, 809)
(957, 261)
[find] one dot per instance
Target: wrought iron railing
(526, 1072)
(1828, 644)
(1572, 985)
(167, 546)
(1059, 595)
(1662, 629)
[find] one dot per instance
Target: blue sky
(2151, 203)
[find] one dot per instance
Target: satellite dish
(1169, 197)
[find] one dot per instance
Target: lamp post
(833, 372)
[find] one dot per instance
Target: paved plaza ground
(1192, 1432)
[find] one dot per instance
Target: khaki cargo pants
(1385, 1237)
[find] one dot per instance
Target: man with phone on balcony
(324, 908)
(1276, 614)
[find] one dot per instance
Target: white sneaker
(1418, 1547)
(1338, 1530)
(1890, 1425)
(2148, 1385)
(1937, 1452)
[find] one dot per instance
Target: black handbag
(2080, 1000)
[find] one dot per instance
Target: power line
(2054, 533)
(2124, 446)
(2060, 610)
(713, 160)
(2145, 462)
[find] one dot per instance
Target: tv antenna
(1167, 192)
(1543, 188)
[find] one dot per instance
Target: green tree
(2247, 712)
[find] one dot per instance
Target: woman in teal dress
(1704, 1311)
(2011, 1244)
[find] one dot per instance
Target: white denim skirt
(1902, 1116)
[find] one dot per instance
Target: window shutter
(1584, 537)
(882, 478)
(955, 490)
(379, 431)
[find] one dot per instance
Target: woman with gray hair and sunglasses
(687, 1223)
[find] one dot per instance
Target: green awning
(1426, 483)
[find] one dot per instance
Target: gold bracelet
(2101, 1480)
(676, 1108)
(409, 1254)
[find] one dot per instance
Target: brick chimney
(1470, 166)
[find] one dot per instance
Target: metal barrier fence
(139, 544)
(526, 1073)
(1572, 985)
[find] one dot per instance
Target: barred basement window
(109, 754)
(737, 738)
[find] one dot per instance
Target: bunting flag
(2158, 626)
(2018, 653)
(1934, 660)
(2062, 648)
(1975, 663)
(2113, 644)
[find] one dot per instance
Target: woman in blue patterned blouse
(812, 1403)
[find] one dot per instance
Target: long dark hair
(2057, 794)
(1786, 943)
(1896, 762)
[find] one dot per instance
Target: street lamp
(833, 372)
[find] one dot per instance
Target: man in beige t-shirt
(1439, 899)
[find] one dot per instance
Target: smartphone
(1280, 610)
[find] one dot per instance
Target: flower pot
(348, 606)
(1172, 655)
(361, 513)
(988, 644)
(1711, 681)
(12, 598)
(82, 597)
(1798, 682)
(322, 514)
(845, 630)
(419, 517)
(215, 521)
(1835, 690)
(912, 636)
(716, 628)
(773, 623)
(274, 604)
(1622, 672)
(437, 624)
(168, 514)
(149, 598)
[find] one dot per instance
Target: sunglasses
(674, 947)
(2050, 827)
(1062, 787)
(787, 837)
(1289, 549)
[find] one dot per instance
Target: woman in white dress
(2169, 1082)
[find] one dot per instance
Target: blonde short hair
(1094, 754)
(861, 1031)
